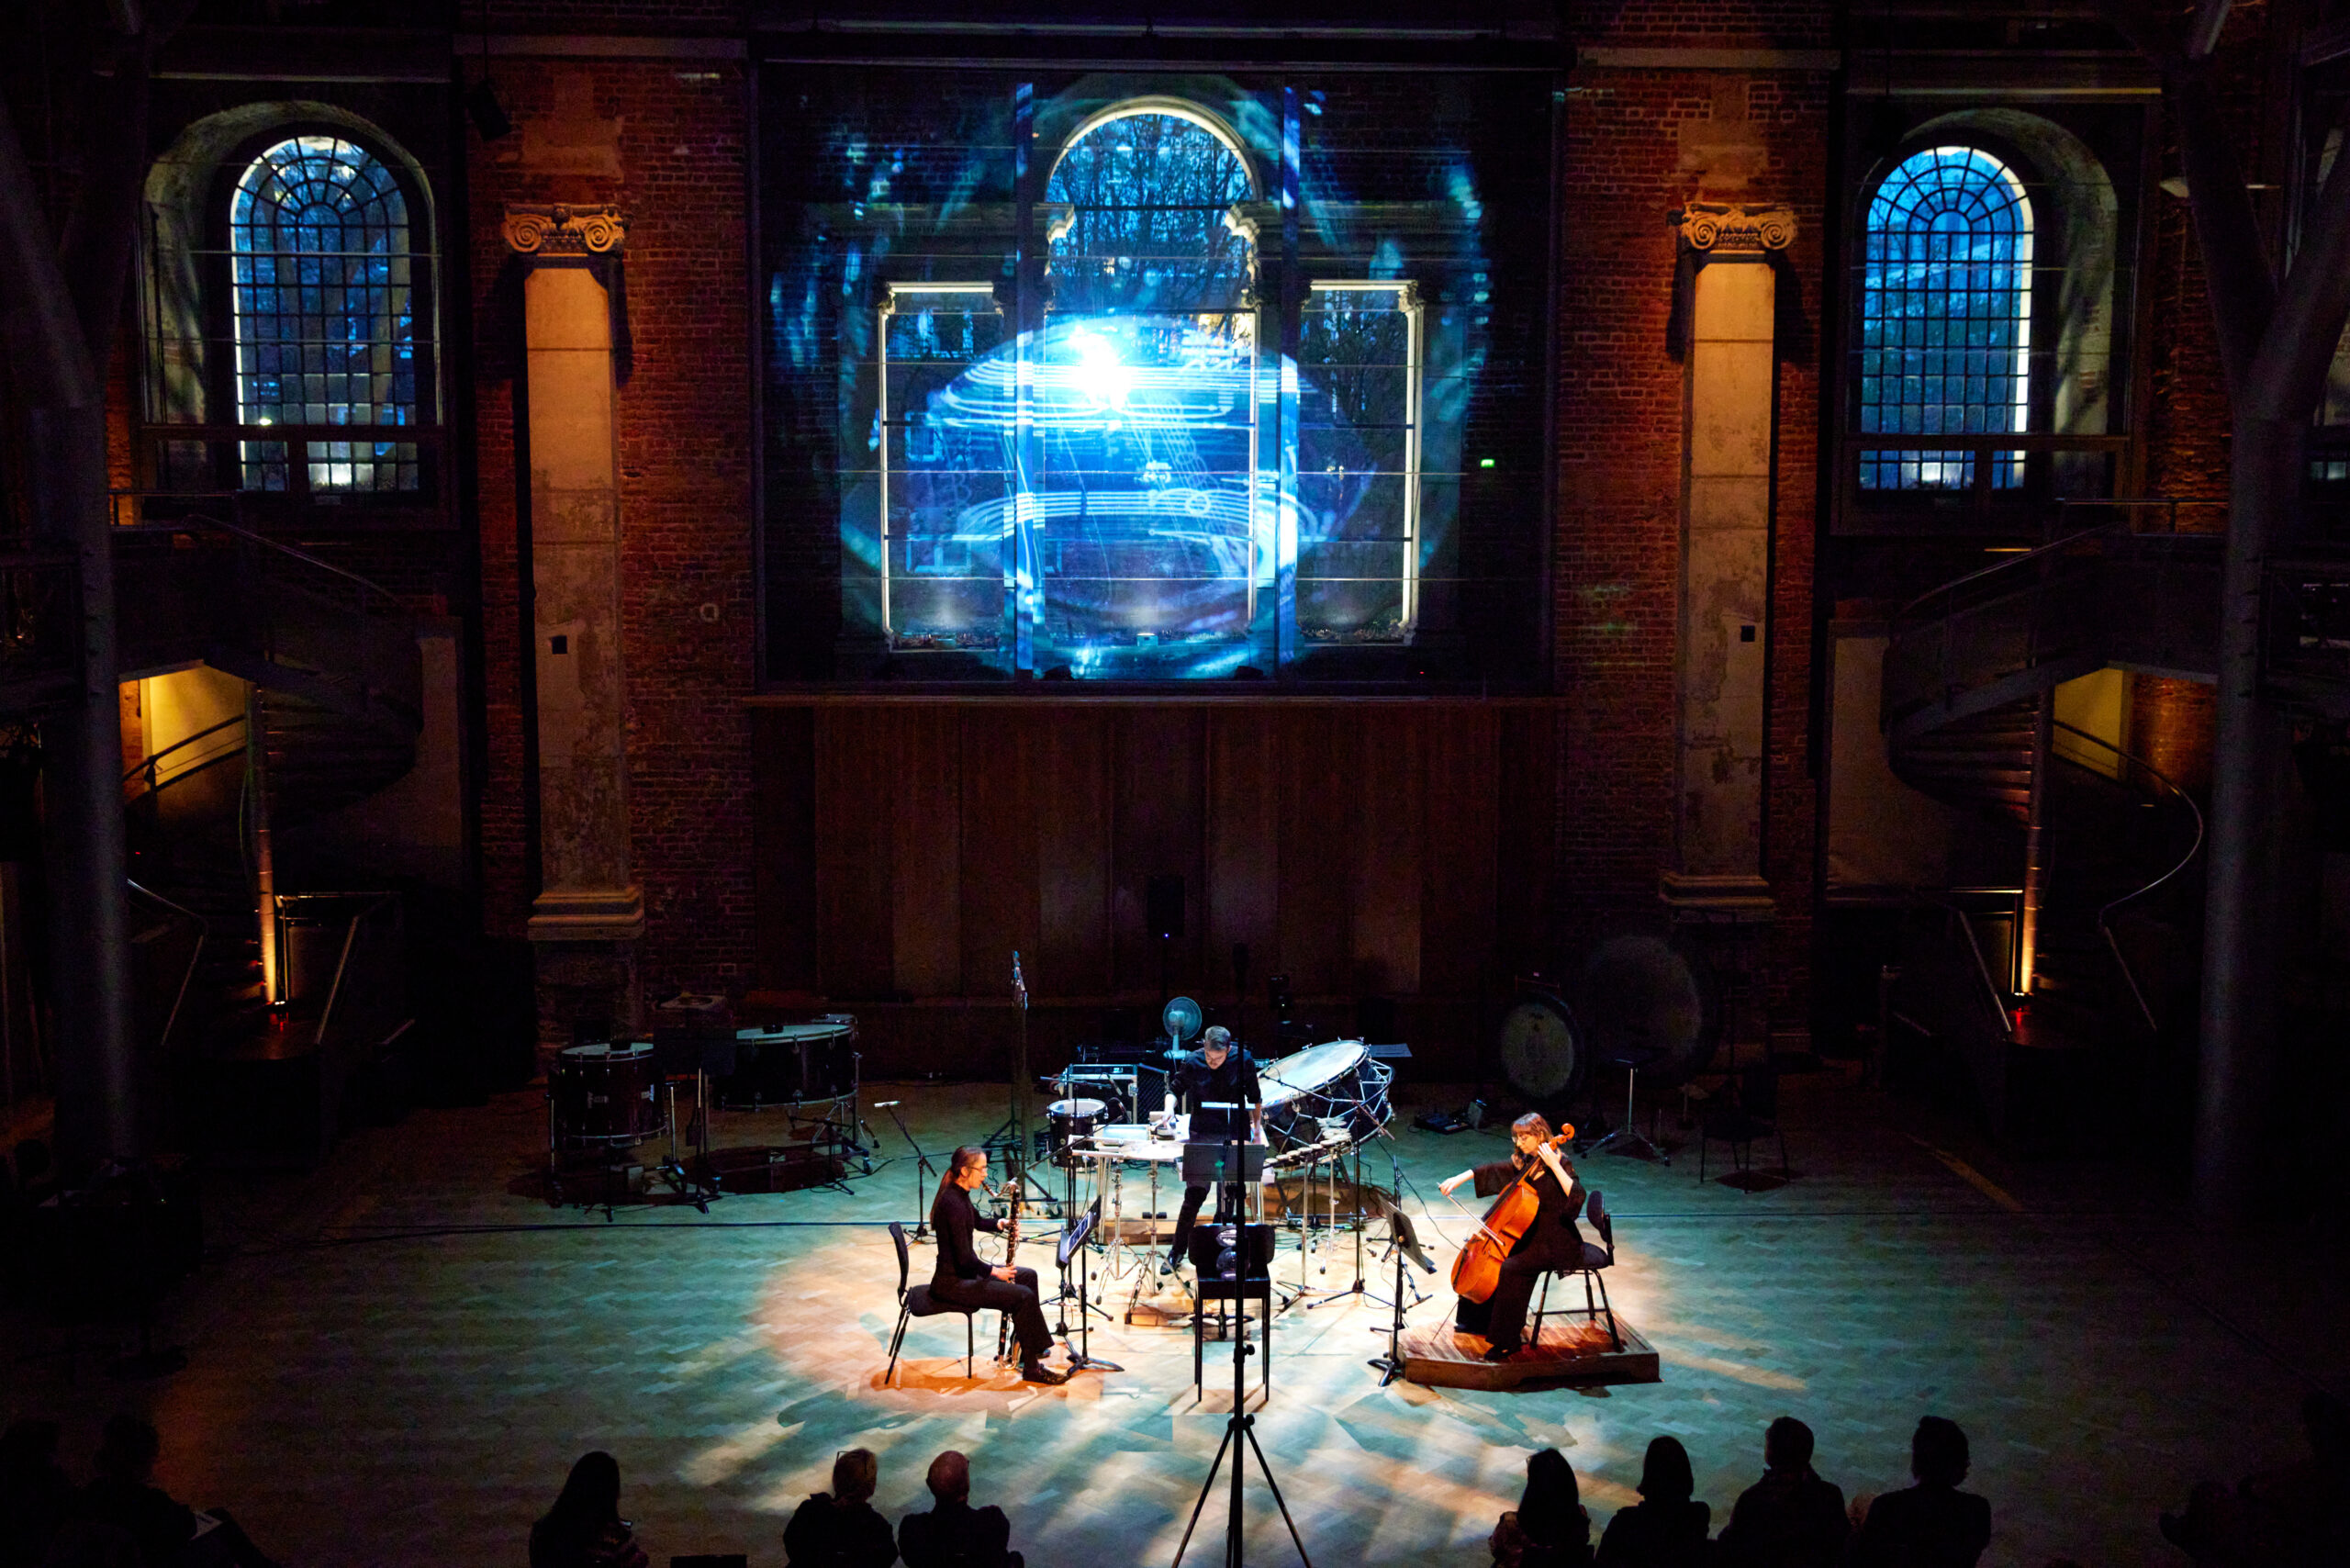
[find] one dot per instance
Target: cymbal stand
(922, 1167)
(1358, 1288)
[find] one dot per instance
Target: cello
(1478, 1269)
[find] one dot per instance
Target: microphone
(885, 1104)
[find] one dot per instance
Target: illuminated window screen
(1945, 317)
(947, 465)
(325, 327)
(1359, 461)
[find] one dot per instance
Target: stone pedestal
(590, 913)
(1725, 563)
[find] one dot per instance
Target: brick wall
(685, 439)
(1640, 143)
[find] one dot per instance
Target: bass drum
(1541, 1050)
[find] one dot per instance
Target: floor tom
(605, 1095)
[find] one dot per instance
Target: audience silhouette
(1548, 1529)
(1666, 1529)
(584, 1529)
(1933, 1524)
(1790, 1518)
(2297, 1513)
(839, 1528)
(167, 1531)
(954, 1534)
(36, 1497)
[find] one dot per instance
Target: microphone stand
(922, 1167)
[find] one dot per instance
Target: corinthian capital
(537, 230)
(1727, 229)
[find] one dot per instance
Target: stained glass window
(324, 314)
(1945, 317)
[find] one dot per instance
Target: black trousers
(1501, 1317)
(1015, 1297)
(1193, 1199)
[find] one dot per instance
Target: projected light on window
(1107, 480)
(1945, 317)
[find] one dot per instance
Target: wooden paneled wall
(906, 846)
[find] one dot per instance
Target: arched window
(1945, 317)
(322, 312)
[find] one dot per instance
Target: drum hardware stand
(1358, 1288)
(680, 1181)
(922, 1167)
(1400, 1244)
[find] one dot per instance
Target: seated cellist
(1551, 1241)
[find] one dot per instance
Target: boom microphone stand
(922, 1167)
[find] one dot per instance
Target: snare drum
(1071, 1122)
(794, 1064)
(605, 1096)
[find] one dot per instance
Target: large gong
(1541, 1050)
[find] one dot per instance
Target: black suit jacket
(955, 1535)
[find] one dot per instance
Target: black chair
(1753, 1113)
(913, 1301)
(1595, 1258)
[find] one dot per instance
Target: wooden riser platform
(1571, 1351)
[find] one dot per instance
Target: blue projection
(1145, 538)
(1152, 376)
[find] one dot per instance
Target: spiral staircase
(334, 717)
(1969, 674)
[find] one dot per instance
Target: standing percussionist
(1215, 1075)
(961, 1280)
(1551, 1242)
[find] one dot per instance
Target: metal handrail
(203, 931)
(147, 765)
(342, 962)
(366, 584)
(2113, 944)
(1991, 992)
(2124, 526)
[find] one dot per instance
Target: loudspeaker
(1163, 906)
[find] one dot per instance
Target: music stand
(1073, 1240)
(1400, 1244)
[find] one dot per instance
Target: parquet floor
(395, 1358)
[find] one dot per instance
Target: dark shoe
(1500, 1353)
(1038, 1372)
(1165, 1267)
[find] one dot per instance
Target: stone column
(590, 913)
(1726, 561)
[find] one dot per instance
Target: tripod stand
(1241, 1426)
(922, 1167)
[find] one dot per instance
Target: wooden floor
(395, 1358)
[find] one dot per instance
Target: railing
(1993, 995)
(361, 988)
(266, 605)
(212, 455)
(148, 767)
(2104, 915)
(1980, 497)
(179, 997)
(1960, 646)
